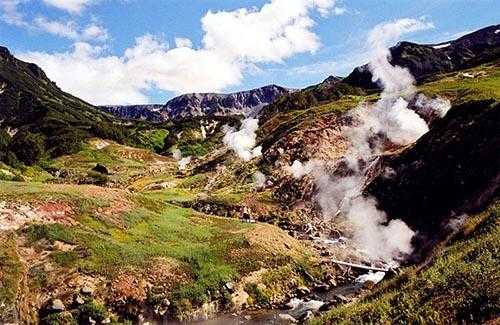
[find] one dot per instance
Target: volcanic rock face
(245, 102)
(426, 60)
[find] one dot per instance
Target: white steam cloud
(260, 179)
(387, 123)
(182, 162)
(243, 142)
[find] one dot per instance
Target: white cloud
(100, 79)
(66, 29)
(338, 11)
(11, 14)
(183, 42)
(277, 31)
(94, 32)
(70, 30)
(72, 6)
(234, 41)
(63, 29)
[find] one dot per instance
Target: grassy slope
(202, 252)
(459, 284)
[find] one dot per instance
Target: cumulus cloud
(107, 79)
(72, 6)
(183, 42)
(233, 43)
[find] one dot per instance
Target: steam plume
(182, 162)
(243, 142)
(389, 121)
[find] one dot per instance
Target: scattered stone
(328, 305)
(323, 287)
(86, 290)
(230, 286)
(303, 291)
(341, 299)
(79, 300)
(368, 285)
(308, 315)
(287, 318)
(331, 282)
(57, 306)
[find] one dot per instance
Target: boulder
(101, 169)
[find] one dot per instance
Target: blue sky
(83, 44)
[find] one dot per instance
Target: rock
(57, 306)
(287, 318)
(101, 169)
(292, 304)
(341, 299)
(86, 290)
(328, 305)
(331, 282)
(303, 291)
(308, 315)
(323, 287)
(368, 285)
(79, 300)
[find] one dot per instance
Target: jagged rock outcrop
(245, 102)
(427, 60)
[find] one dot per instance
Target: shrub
(66, 143)
(4, 143)
(92, 309)
(28, 147)
(65, 318)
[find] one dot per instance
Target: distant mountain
(426, 60)
(244, 102)
(202, 104)
(137, 112)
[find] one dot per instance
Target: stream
(277, 316)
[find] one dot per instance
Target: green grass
(172, 195)
(460, 89)
(459, 286)
(10, 277)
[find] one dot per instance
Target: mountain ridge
(247, 102)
